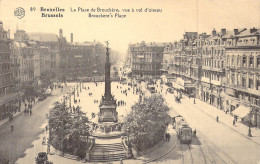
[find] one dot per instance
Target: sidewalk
(225, 119)
(4, 121)
(163, 149)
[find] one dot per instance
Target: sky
(177, 17)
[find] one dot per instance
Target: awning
(241, 111)
(9, 97)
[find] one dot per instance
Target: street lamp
(249, 122)
(70, 98)
(78, 90)
(194, 102)
(74, 94)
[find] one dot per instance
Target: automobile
(42, 158)
(42, 97)
(170, 90)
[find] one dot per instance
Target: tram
(184, 131)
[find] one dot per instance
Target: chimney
(223, 31)
(252, 30)
(235, 31)
(214, 33)
(71, 37)
(60, 33)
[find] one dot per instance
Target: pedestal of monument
(108, 111)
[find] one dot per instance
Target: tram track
(184, 146)
(202, 153)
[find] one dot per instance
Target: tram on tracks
(184, 131)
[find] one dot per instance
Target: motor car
(170, 90)
(42, 97)
(41, 158)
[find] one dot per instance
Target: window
(251, 83)
(258, 61)
(232, 79)
(258, 85)
(232, 63)
(251, 61)
(243, 82)
(238, 63)
(244, 61)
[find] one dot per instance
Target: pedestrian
(234, 123)
(48, 149)
(169, 137)
(194, 133)
(46, 128)
(217, 118)
(12, 128)
(43, 141)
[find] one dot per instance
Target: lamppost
(74, 94)
(249, 121)
(194, 102)
(80, 85)
(78, 90)
(70, 98)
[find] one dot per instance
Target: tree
(66, 129)
(147, 121)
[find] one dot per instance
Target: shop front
(9, 104)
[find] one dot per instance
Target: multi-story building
(48, 45)
(181, 63)
(8, 98)
(213, 68)
(23, 52)
(80, 60)
(146, 59)
(222, 67)
(243, 74)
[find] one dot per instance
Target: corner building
(243, 75)
(146, 59)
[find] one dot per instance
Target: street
(217, 140)
(26, 129)
(214, 142)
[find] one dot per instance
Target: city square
(130, 82)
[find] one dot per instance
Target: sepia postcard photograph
(130, 81)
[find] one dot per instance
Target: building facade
(49, 49)
(221, 69)
(8, 98)
(243, 73)
(146, 59)
(80, 60)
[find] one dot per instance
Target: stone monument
(107, 105)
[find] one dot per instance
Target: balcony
(213, 69)
(215, 82)
(205, 79)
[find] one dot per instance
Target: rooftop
(43, 37)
